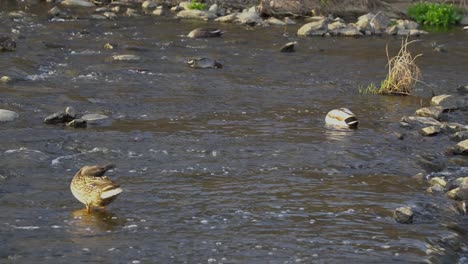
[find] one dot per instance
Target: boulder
(430, 131)
(460, 182)
(289, 21)
(379, 22)
(132, 12)
(78, 3)
(459, 194)
(417, 32)
(459, 136)
(421, 121)
(336, 25)
(407, 24)
(462, 147)
(432, 111)
(288, 47)
(403, 215)
(8, 115)
(363, 22)
(159, 11)
(149, 4)
(462, 89)
(185, 5)
(98, 17)
(196, 14)
(349, 31)
(438, 181)
(451, 127)
(309, 28)
(228, 18)
(446, 101)
(213, 9)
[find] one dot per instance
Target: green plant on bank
(435, 14)
(197, 5)
(402, 76)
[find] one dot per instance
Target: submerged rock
(421, 121)
(459, 136)
(149, 4)
(204, 63)
(459, 194)
(403, 215)
(8, 115)
(289, 47)
(432, 111)
(438, 181)
(7, 44)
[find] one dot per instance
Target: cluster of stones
(69, 117)
(368, 25)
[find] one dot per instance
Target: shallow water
(229, 165)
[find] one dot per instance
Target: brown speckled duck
(91, 187)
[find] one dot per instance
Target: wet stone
(421, 121)
(94, 118)
(7, 44)
(435, 189)
(77, 123)
(56, 118)
(446, 101)
(459, 194)
(451, 127)
(459, 136)
(430, 131)
(460, 182)
(432, 111)
(462, 147)
(289, 47)
(125, 58)
(78, 3)
(203, 63)
(438, 181)
(8, 115)
(403, 215)
(70, 111)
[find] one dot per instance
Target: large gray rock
(460, 193)
(196, 14)
(148, 4)
(276, 22)
(336, 25)
(421, 121)
(403, 215)
(249, 17)
(432, 111)
(446, 101)
(80, 3)
(379, 22)
(349, 31)
(309, 28)
(460, 182)
(7, 115)
(363, 23)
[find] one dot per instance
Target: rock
(80, 3)
(438, 181)
(392, 30)
(379, 22)
(446, 101)
(103, 9)
(7, 44)
(435, 188)
(462, 89)
(54, 11)
(349, 31)
(132, 12)
(185, 5)
(227, 19)
(275, 22)
(417, 32)
(431, 163)
(461, 182)
(115, 9)
(203, 63)
(465, 28)
(94, 118)
(125, 57)
(250, 17)
(176, 8)
(109, 15)
(459, 136)
(430, 131)
(403, 215)
(289, 21)
(288, 47)
(460, 193)
(336, 25)
(213, 9)
(8, 115)
(421, 121)
(159, 11)
(148, 4)
(403, 32)
(17, 14)
(451, 127)
(464, 21)
(363, 22)
(70, 111)
(432, 111)
(461, 147)
(98, 17)
(109, 46)
(5, 79)
(56, 118)
(205, 33)
(309, 28)
(77, 123)
(407, 24)
(196, 14)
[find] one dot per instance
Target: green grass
(197, 5)
(435, 14)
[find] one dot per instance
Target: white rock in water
(126, 57)
(94, 117)
(82, 3)
(7, 115)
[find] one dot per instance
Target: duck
(342, 117)
(205, 33)
(204, 63)
(92, 188)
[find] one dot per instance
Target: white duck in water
(342, 117)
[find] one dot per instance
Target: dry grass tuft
(403, 73)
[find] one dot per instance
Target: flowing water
(231, 165)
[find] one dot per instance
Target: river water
(231, 165)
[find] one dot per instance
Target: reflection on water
(223, 166)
